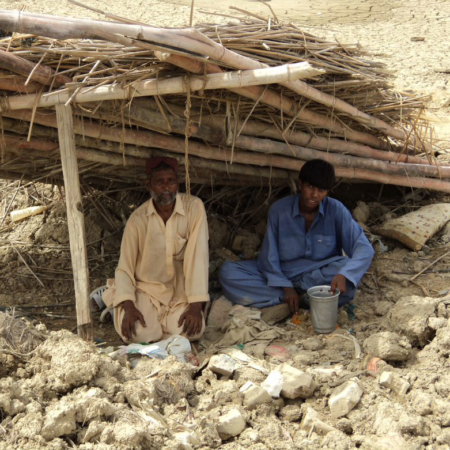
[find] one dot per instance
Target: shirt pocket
(179, 248)
(324, 247)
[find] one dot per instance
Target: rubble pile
(70, 394)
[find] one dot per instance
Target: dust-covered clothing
(168, 263)
(293, 257)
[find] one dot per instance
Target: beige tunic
(169, 262)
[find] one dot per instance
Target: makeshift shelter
(94, 99)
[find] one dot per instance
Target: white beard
(160, 199)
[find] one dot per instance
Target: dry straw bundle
(18, 337)
(245, 104)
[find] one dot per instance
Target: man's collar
(179, 208)
(296, 206)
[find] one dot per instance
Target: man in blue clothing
(306, 238)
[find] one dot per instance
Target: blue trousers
(244, 284)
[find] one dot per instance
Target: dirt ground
(58, 392)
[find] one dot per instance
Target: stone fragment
(410, 316)
(345, 425)
(388, 346)
(219, 312)
(382, 307)
(296, 384)
(441, 408)
(422, 403)
(337, 440)
(413, 425)
(444, 437)
(255, 396)
(443, 385)
(250, 434)
(304, 358)
(312, 422)
(435, 323)
(187, 439)
(313, 344)
(345, 397)
(230, 424)
(394, 382)
(275, 314)
(223, 365)
(389, 442)
(291, 413)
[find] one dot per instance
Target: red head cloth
(157, 160)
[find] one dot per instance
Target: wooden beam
(75, 219)
(175, 85)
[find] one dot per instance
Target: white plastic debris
(273, 384)
(20, 214)
(176, 345)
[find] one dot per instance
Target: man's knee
(147, 335)
(173, 328)
(143, 336)
(152, 332)
(225, 271)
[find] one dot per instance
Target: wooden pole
(176, 145)
(276, 100)
(40, 73)
(175, 85)
(75, 218)
(259, 149)
(192, 13)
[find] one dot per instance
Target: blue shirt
(289, 251)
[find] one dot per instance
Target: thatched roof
(138, 91)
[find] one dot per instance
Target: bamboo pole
(276, 100)
(176, 85)
(188, 42)
(176, 145)
(16, 83)
(213, 130)
(306, 154)
(40, 73)
(212, 171)
(259, 146)
(75, 219)
(22, 142)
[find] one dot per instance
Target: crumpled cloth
(254, 334)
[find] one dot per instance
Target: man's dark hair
(159, 168)
(318, 173)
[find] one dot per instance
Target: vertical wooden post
(75, 219)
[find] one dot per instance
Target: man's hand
(339, 282)
(132, 314)
(292, 298)
(192, 318)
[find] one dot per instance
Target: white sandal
(97, 303)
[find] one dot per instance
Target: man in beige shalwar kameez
(161, 281)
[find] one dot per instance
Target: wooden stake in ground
(75, 218)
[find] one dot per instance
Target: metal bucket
(324, 308)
